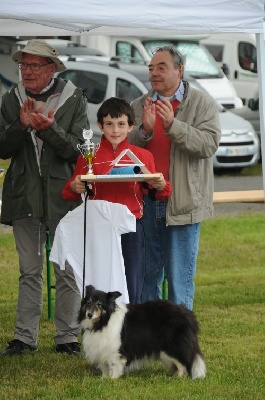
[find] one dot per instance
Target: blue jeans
(132, 244)
(171, 250)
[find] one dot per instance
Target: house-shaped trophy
(131, 169)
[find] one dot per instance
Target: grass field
(230, 307)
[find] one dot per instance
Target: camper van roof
(67, 47)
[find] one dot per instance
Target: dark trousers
(133, 251)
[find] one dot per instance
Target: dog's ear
(89, 290)
(112, 296)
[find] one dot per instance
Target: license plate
(237, 152)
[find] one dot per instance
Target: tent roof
(148, 17)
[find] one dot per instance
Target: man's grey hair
(178, 58)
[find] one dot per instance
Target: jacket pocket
(18, 181)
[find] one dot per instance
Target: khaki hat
(39, 47)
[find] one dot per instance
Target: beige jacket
(195, 135)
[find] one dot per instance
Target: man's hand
(165, 110)
(30, 115)
(41, 122)
(29, 106)
(148, 116)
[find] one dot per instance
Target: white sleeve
(127, 222)
(121, 217)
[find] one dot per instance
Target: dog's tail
(198, 369)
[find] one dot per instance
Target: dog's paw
(116, 370)
(104, 368)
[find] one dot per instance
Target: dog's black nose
(89, 315)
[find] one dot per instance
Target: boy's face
(115, 129)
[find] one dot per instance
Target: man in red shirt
(180, 126)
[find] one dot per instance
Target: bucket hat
(39, 47)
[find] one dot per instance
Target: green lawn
(230, 307)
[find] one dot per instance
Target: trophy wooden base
(118, 178)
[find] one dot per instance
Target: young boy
(116, 120)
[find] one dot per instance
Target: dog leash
(88, 193)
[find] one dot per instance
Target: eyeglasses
(34, 67)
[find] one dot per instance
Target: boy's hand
(77, 185)
(158, 183)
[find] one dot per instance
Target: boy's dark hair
(115, 107)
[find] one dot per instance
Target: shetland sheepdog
(118, 337)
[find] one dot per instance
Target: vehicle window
(93, 83)
(216, 51)
(127, 90)
(128, 53)
(199, 62)
(247, 56)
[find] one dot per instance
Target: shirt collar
(178, 95)
(48, 87)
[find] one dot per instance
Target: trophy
(87, 149)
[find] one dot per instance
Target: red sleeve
(150, 165)
(165, 193)
(67, 192)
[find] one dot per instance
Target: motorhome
(9, 73)
(236, 53)
(200, 64)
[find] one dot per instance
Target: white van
(236, 53)
(200, 64)
(100, 82)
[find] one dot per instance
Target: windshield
(199, 62)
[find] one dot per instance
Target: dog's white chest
(100, 346)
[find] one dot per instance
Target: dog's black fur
(158, 329)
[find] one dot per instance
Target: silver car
(239, 146)
(251, 113)
(101, 82)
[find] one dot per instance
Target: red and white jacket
(127, 193)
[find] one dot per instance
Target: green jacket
(33, 186)
(195, 135)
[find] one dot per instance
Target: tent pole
(261, 83)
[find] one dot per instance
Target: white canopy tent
(145, 18)
(171, 16)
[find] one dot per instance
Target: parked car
(99, 83)
(239, 146)
(251, 113)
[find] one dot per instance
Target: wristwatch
(149, 134)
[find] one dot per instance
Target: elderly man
(41, 122)
(180, 126)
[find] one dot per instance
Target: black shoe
(72, 348)
(16, 347)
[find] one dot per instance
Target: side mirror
(253, 67)
(226, 69)
(253, 104)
